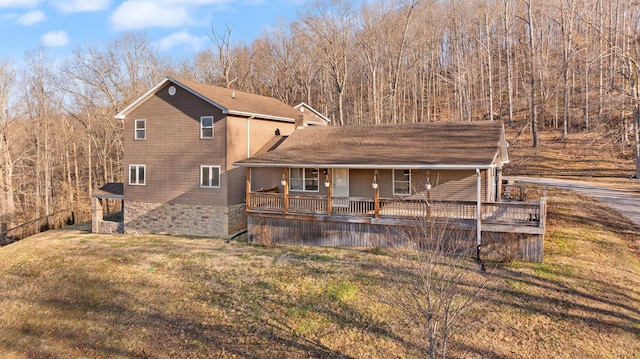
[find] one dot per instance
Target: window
(303, 179)
(402, 182)
(210, 176)
(140, 130)
(206, 127)
(136, 175)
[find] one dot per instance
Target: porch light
(283, 181)
(427, 184)
(326, 181)
(374, 184)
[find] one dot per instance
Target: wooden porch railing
(521, 213)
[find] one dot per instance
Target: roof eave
(370, 166)
(259, 115)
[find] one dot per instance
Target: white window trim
(394, 183)
(135, 129)
(219, 176)
(212, 127)
(138, 175)
(304, 181)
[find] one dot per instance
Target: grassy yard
(69, 293)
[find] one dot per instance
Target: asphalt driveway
(624, 203)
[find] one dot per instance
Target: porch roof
(437, 145)
(110, 191)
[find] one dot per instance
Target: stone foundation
(98, 224)
(183, 219)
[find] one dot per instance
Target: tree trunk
(636, 136)
(532, 79)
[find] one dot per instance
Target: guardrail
(55, 220)
(530, 213)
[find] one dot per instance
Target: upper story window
(402, 182)
(140, 130)
(303, 179)
(210, 176)
(206, 127)
(137, 175)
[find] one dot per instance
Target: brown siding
(236, 150)
(264, 178)
(453, 185)
(173, 150)
(260, 132)
(360, 183)
(447, 185)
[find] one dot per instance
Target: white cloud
(55, 39)
(81, 5)
(30, 18)
(141, 14)
(18, 3)
(182, 38)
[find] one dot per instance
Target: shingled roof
(445, 145)
(110, 190)
(231, 102)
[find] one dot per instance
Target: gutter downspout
(249, 136)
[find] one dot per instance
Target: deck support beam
(376, 196)
(329, 191)
(248, 189)
(285, 189)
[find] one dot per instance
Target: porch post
(376, 196)
(329, 191)
(248, 189)
(286, 190)
(478, 211)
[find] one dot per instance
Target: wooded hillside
(562, 65)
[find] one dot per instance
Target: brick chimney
(301, 122)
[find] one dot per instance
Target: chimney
(301, 122)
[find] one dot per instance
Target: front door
(341, 187)
(341, 182)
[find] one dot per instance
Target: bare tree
(441, 284)
(7, 117)
(226, 60)
(331, 27)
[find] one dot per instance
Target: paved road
(624, 203)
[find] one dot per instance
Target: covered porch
(373, 185)
(278, 216)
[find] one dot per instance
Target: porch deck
(507, 217)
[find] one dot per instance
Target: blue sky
(179, 28)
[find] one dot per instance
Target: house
(181, 139)
(356, 185)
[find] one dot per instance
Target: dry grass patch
(580, 155)
(74, 294)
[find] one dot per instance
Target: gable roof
(437, 145)
(230, 102)
(315, 113)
